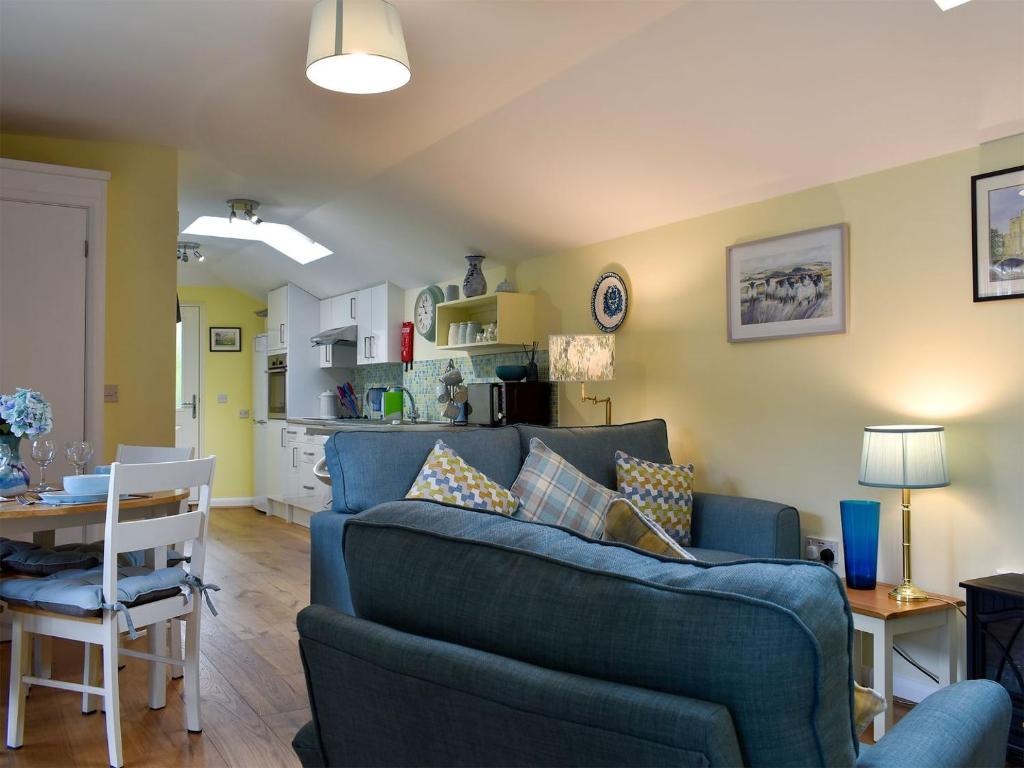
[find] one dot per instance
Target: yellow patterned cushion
(446, 478)
(625, 524)
(867, 704)
(663, 492)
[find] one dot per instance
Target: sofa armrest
(965, 724)
(750, 527)
(328, 577)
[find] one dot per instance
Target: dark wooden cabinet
(995, 643)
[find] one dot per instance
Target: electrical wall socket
(813, 547)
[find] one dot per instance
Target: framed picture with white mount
(997, 229)
(790, 285)
(609, 301)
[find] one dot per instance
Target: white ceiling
(529, 125)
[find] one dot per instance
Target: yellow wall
(142, 227)
(225, 435)
(783, 419)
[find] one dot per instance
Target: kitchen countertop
(330, 426)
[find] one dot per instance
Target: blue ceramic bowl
(511, 372)
(86, 485)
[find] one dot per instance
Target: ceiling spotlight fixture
(241, 207)
(357, 46)
(185, 247)
(947, 4)
(242, 223)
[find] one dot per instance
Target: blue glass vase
(860, 542)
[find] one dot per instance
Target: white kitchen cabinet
(343, 308)
(325, 315)
(277, 320)
(293, 463)
(278, 457)
(379, 312)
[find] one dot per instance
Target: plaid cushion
(663, 492)
(446, 478)
(625, 524)
(551, 490)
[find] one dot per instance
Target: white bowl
(86, 485)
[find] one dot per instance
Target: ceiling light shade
(357, 46)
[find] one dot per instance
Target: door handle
(295, 460)
(366, 347)
(260, 421)
(190, 404)
(352, 308)
(280, 333)
(373, 352)
(282, 437)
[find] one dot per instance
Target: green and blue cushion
(446, 478)
(663, 492)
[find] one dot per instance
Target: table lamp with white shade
(583, 358)
(905, 456)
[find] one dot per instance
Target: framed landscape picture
(225, 339)
(997, 224)
(791, 285)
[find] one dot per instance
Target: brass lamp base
(907, 592)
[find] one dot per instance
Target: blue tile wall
(423, 379)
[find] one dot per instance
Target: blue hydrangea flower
(26, 413)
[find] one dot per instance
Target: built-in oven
(277, 369)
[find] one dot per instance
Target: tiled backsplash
(423, 379)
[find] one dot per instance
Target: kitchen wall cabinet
(379, 312)
(277, 320)
(337, 312)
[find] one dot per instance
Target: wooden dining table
(43, 520)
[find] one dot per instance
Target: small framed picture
(791, 285)
(997, 224)
(225, 339)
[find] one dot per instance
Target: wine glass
(43, 452)
(78, 454)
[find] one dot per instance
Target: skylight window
(280, 237)
(947, 4)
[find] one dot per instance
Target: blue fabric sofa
(441, 636)
(372, 466)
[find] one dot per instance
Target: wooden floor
(253, 689)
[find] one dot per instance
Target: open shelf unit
(513, 313)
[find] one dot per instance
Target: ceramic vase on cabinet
(14, 477)
(474, 284)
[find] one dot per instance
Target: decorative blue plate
(609, 302)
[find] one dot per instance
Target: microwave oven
(500, 403)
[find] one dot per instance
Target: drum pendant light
(357, 46)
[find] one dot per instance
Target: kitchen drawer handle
(366, 347)
(352, 308)
(283, 430)
(309, 487)
(295, 458)
(293, 432)
(309, 453)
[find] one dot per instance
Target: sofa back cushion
(374, 465)
(592, 449)
(768, 640)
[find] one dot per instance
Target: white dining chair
(151, 454)
(96, 606)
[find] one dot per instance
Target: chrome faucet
(414, 414)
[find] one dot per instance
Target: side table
(876, 614)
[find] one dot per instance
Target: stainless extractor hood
(345, 335)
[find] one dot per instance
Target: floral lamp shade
(582, 357)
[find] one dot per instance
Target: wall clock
(609, 302)
(425, 311)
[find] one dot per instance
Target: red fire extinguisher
(407, 331)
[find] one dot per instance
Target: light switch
(243, 413)
(110, 393)
(222, 398)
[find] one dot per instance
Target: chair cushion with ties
(80, 592)
(39, 561)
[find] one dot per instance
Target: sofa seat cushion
(371, 466)
(592, 449)
(307, 746)
(715, 555)
(769, 640)
(80, 593)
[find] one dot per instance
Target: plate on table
(56, 498)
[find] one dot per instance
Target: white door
(188, 411)
(259, 422)
(42, 316)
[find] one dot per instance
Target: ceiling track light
(244, 208)
(187, 247)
